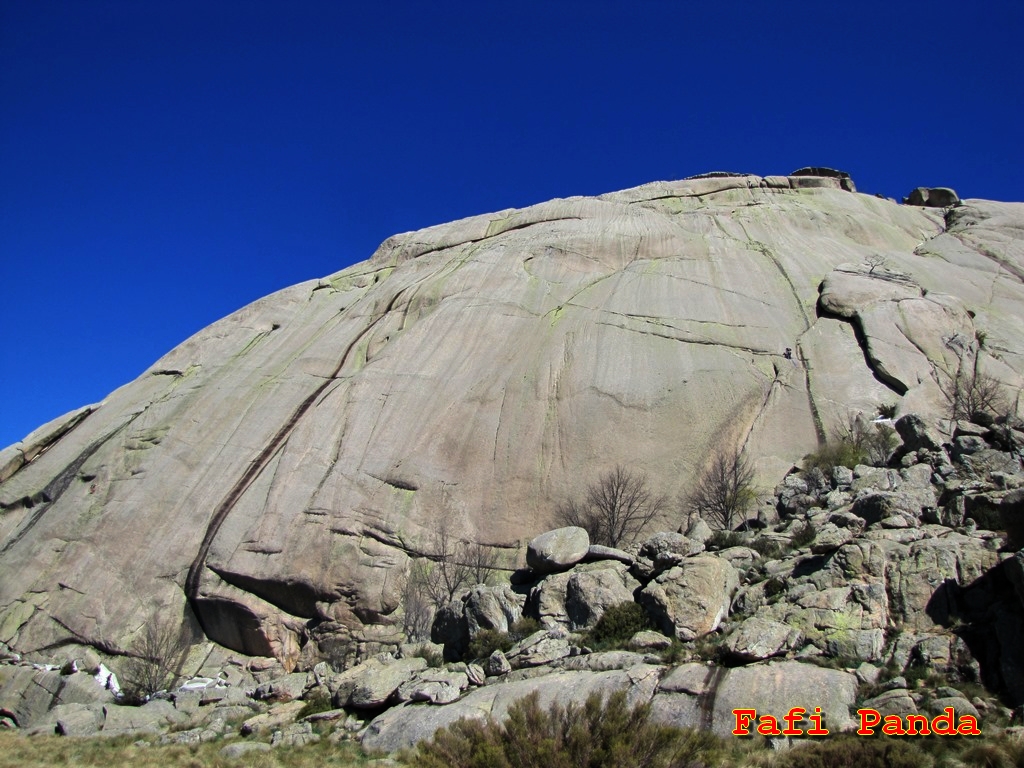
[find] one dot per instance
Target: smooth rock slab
(705, 697)
(404, 726)
(557, 550)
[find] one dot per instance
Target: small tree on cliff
(616, 509)
(154, 659)
(725, 491)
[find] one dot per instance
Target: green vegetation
(617, 625)
(18, 751)
(487, 641)
(593, 735)
(855, 442)
(319, 702)
(846, 750)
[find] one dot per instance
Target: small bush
(617, 625)
(596, 734)
(844, 751)
(725, 539)
(774, 586)
(887, 411)
(769, 549)
(854, 442)
(487, 641)
(318, 702)
(433, 656)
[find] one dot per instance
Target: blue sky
(163, 163)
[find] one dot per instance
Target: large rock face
(268, 480)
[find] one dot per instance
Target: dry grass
(17, 751)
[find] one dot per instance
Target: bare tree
(155, 658)
(617, 508)
(482, 560)
(417, 603)
(449, 565)
(725, 491)
(972, 394)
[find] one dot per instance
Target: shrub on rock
(596, 734)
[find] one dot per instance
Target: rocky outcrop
(932, 197)
(557, 550)
(822, 608)
(270, 483)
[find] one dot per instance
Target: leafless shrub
(449, 565)
(725, 491)
(483, 561)
(617, 508)
(973, 395)
(154, 659)
(418, 605)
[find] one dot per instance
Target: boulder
(893, 702)
(497, 608)
(240, 749)
(589, 594)
(547, 600)
(649, 640)
(599, 552)
(497, 664)
(691, 600)
(917, 434)
(538, 649)
(932, 197)
(557, 550)
(152, 717)
(278, 716)
(375, 686)
(758, 639)
(402, 727)
(282, 688)
(697, 696)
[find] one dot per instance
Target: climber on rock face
(788, 354)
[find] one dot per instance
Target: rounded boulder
(557, 550)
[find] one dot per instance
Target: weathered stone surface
(402, 727)
(278, 716)
(377, 683)
(599, 552)
(557, 550)
(589, 594)
(243, 453)
(28, 694)
(932, 197)
(691, 600)
(151, 717)
(497, 608)
(283, 688)
(757, 639)
(696, 696)
(77, 719)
